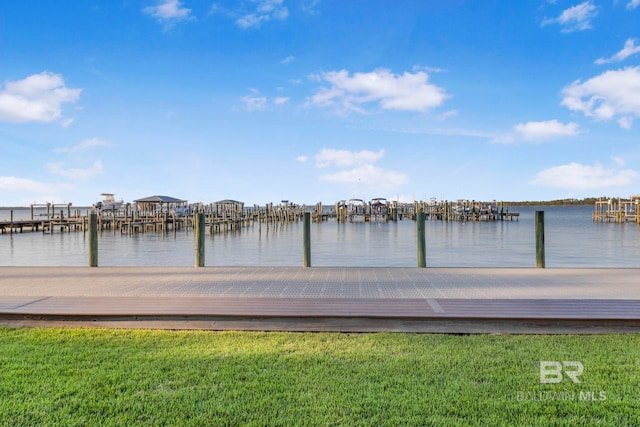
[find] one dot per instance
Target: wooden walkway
(451, 300)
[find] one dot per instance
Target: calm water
(572, 240)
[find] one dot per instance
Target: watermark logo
(555, 372)
(551, 371)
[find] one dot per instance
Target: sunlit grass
(134, 377)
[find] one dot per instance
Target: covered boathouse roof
(228, 201)
(159, 199)
(154, 203)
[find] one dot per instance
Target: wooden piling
(200, 229)
(307, 239)
(93, 240)
(422, 256)
(540, 261)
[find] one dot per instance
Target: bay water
(572, 240)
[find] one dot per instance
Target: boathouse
(229, 204)
(159, 204)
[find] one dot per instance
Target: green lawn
(132, 377)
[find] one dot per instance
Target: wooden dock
(228, 216)
(444, 300)
(218, 219)
(617, 210)
(382, 210)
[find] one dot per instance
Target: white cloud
(406, 92)
(170, 9)
(358, 169)
(37, 98)
(13, 183)
(447, 114)
(576, 18)
(65, 123)
(506, 138)
(257, 102)
(542, 131)
(288, 60)
(427, 69)
(618, 160)
(84, 145)
(251, 20)
(169, 12)
(302, 159)
(253, 103)
(76, 173)
(309, 7)
(266, 10)
(612, 93)
(625, 122)
(629, 49)
(575, 176)
(345, 158)
(281, 100)
(371, 175)
(537, 132)
(633, 4)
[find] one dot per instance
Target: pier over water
(617, 210)
(229, 215)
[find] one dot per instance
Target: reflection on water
(572, 240)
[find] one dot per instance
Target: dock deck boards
(461, 300)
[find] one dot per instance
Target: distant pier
(219, 217)
(382, 210)
(230, 215)
(617, 210)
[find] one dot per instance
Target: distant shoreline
(552, 203)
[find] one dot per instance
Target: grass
(131, 377)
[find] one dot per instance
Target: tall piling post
(540, 258)
(307, 239)
(199, 232)
(422, 253)
(93, 240)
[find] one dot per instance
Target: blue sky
(318, 100)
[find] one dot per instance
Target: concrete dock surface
(459, 300)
